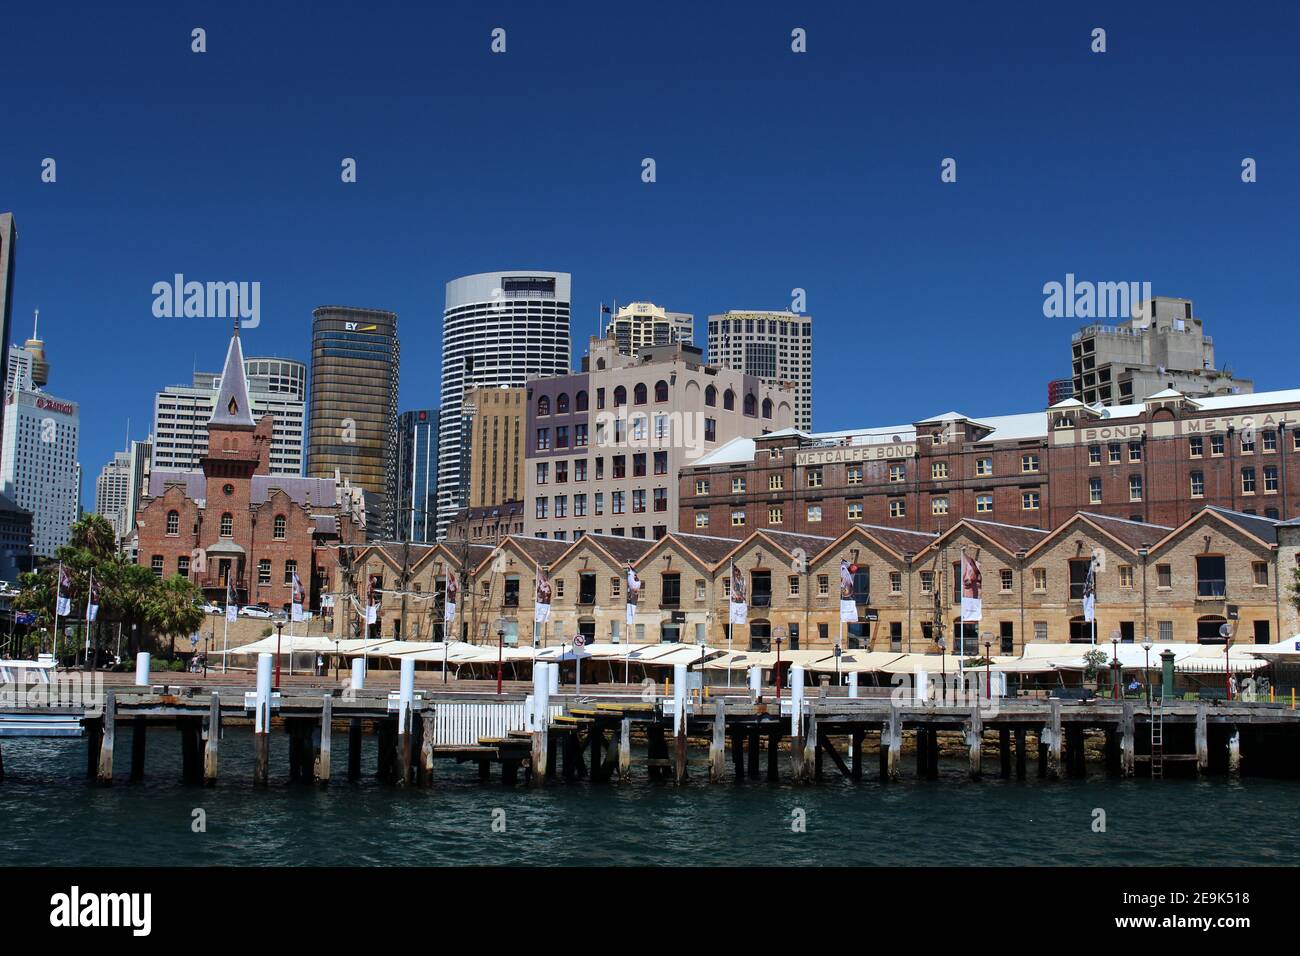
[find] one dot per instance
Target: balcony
(213, 581)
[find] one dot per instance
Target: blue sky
(775, 171)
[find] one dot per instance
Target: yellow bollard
(667, 687)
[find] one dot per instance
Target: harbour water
(49, 814)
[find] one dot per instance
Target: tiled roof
(1135, 534)
(1265, 528)
(898, 539)
(1011, 537)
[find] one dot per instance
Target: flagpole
(90, 596)
(961, 604)
(58, 596)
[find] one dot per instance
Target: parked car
(209, 608)
(252, 610)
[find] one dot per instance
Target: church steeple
(233, 407)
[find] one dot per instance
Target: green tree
(94, 535)
(172, 610)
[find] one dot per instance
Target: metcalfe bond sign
(849, 453)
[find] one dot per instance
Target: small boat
(21, 680)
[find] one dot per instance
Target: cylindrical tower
(499, 328)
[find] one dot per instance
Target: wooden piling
(625, 749)
(922, 751)
(191, 728)
(426, 749)
(539, 749)
(1004, 752)
(932, 761)
(94, 728)
(773, 753)
(855, 753)
(975, 742)
(1074, 753)
(211, 747)
(1234, 752)
(404, 748)
(754, 745)
(1054, 741)
(354, 749)
(1202, 739)
(891, 744)
(1127, 742)
(718, 747)
(1020, 753)
(679, 748)
(138, 740)
(811, 749)
(321, 766)
(738, 754)
(104, 773)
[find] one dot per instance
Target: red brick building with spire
(230, 523)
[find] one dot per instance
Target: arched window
(173, 522)
(580, 402)
(227, 525)
(562, 403)
(729, 400)
(620, 396)
(711, 396)
(278, 527)
(661, 391)
(751, 404)
(544, 405)
(1207, 629)
(639, 394)
(767, 408)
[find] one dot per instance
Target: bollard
(142, 669)
(796, 700)
(262, 721)
(358, 673)
(553, 678)
(541, 719)
(405, 707)
(681, 690)
(923, 687)
(755, 682)
(853, 684)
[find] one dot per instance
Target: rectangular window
(1040, 630)
(561, 506)
(1164, 576)
(1197, 484)
(638, 465)
(1196, 446)
(543, 439)
(1270, 478)
(737, 485)
(823, 585)
(600, 468)
(264, 571)
(619, 464)
(1259, 569)
(854, 511)
(938, 470)
(543, 470)
(1113, 452)
(775, 482)
(983, 467)
(775, 514)
(738, 519)
(895, 582)
(1166, 629)
(1216, 445)
(579, 506)
(616, 500)
(598, 505)
(1211, 576)
(1094, 454)
(898, 473)
(1248, 441)
(1029, 463)
(701, 486)
(1094, 490)
(580, 436)
(541, 506)
(638, 501)
(661, 499)
(562, 436)
(1029, 501)
(1248, 481)
(983, 503)
(1126, 575)
(701, 519)
(699, 589)
(1134, 487)
(1005, 579)
(661, 463)
(938, 506)
(1269, 440)
(1040, 579)
(927, 582)
(561, 472)
(1135, 451)
(814, 477)
(853, 475)
(580, 469)
(897, 509)
(814, 513)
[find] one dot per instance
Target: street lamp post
(278, 619)
(1117, 674)
(778, 635)
(1146, 674)
(988, 668)
(943, 665)
(501, 644)
(1226, 630)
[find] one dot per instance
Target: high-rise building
(499, 328)
(1163, 346)
(112, 488)
(775, 347)
(417, 474)
(1059, 389)
(497, 444)
(8, 243)
(276, 387)
(352, 423)
(605, 444)
(640, 324)
(38, 465)
(15, 540)
(26, 364)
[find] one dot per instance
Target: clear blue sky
(775, 171)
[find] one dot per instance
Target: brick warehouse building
(1172, 584)
(231, 520)
(1157, 461)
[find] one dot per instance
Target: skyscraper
(38, 465)
(112, 488)
(499, 328)
(276, 386)
(27, 365)
(352, 420)
(641, 324)
(773, 346)
(417, 474)
(8, 241)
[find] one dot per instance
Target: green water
(50, 815)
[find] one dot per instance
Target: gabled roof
(898, 540)
(1135, 534)
(620, 549)
(233, 407)
(536, 550)
(783, 541)
(1006, 537)
(1265, 529)
(708, 550)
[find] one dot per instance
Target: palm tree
(173, 611)
(93, 533)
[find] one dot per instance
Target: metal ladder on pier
(1157, 739)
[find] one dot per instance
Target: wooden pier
(591, 738)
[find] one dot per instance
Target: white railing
(465, 723)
